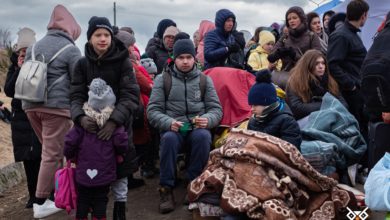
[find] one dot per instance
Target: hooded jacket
(216, 41)
(204, 27)
(258, 59)
(184, 101)
(116, 69)
(62, 30)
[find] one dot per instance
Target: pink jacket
(204, 27)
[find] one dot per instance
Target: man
(183, 114)
(346, 53)
(224, 41)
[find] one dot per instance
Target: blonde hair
(303, 73)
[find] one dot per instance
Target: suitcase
(379, 142)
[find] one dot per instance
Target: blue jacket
(216, 41)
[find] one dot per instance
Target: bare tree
(5, 38)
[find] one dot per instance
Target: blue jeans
(170, 145)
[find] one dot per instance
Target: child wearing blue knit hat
(269, 114)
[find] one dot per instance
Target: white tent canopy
(376, 14)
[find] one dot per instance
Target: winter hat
(128, 30)
(299, 11)
(149, 65)
(62, 19)
(100, 95)
(26, 38)
(171, 31)
(183, 46)
(126, 38)
(163, 25)
(181, 35)
(266, 37)
(263, 92)
(96, 23)
(336, 20)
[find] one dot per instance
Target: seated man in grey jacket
(184, 113)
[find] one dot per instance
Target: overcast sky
(144, 15)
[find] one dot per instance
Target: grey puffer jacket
(184, 100)
(58, 95)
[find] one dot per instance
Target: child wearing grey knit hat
(101, 101)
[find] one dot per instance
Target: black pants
(92, 198)
(31, 168)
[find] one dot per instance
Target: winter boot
(119, 211)
(167, 201)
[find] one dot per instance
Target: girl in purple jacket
(95, 158)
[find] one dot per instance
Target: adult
(155, 47)
(346, 54)
(336, 21)
(26, 146)
(325, 20)
(314, 22)
(205, 26)
(184, 114)
(107, 58)
(51, 119)
(195, 39)
(161, 51)
(223, 42)
(308, 83)
(290, 48)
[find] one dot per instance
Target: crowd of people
(116, 111)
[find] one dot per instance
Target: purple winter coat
(96, 159)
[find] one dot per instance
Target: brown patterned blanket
(267, 178)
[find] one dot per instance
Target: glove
(107, 130)
(88, 124)
(273, 57)
(291, 53)
(233, 48)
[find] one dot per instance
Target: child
(258, 57)
(269, 114)
(95, 158)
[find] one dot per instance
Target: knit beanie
(163, 25)
(181, 35)
(26, 38)
(299, 11)
(263, 92)
(183, 46)
(170, 31)
(96, 23)
(128, 30)
(149, 65)
(266, 37)
(100, 95)
(125, 38)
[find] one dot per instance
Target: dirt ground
(142, 204)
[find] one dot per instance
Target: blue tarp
(327, 6)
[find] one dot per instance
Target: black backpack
(375, 85)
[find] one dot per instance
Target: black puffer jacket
(301, 109)
(116, 69)
(25, 142)
(279, 123)
(158, 53)
(345, 56)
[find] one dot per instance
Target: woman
(107, 58)
(204, 27)
(313, 19)
(27, 147)
(290, 48)
(308, 83)
(51, 119)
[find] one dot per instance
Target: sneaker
(46, 209)
(167, 202)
